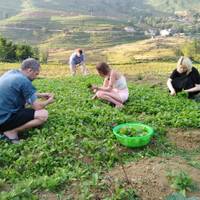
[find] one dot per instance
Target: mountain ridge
(80, 22)
(120, 8)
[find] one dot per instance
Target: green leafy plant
(178, 196)
(180, 181)
(124, 194)
(133, 131)
(76, 146)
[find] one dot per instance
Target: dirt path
(184, 139)
(149, 179)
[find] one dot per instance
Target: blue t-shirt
(75, 59)
(15, 91)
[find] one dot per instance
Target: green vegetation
(68, 32)
(94, 24)
(191, 50)
(76, 146)
(178, 196)
(133, 131)
(10, 52)
(92, 40)
(181, 182)
(71, 154)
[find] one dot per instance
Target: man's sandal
(7, 139)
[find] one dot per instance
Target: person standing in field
(77, 59)
(16, 91)
(114, 88)
(185, 77)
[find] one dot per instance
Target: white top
(121, 83)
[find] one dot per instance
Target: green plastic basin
(133, 141)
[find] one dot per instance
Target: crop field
(75, 155)
(158, 49)
(51, 29)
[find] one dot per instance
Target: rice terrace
(75, 154)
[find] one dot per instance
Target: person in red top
(184, 78)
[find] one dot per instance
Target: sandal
(7, 139)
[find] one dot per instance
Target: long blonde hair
(185, 61)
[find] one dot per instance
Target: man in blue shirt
(16, 90)
(77, 59)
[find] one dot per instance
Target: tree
(44, 56)
(23, 52)
(7, 50)
(192, 50)
(10, 52)
(36, 53)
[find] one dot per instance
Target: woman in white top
(114, 88)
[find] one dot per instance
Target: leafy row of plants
(74, 149)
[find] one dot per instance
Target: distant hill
(117, 7)
(87, 23)
(171, 6)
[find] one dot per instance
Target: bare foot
(12, 136)
(10, 139)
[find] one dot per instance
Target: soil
(188, 139)
(47, 196)
(148, 176)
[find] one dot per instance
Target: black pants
(18, 119)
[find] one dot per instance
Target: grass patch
(77, 144)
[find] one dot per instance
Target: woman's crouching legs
(112, 97)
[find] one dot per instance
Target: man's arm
(38, 104)
(108, 85)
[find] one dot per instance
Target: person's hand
(94, 90)
(48, 95)
(45, 95)
(173, 93)
(50, 98)
(94, 87)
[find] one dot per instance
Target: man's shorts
(18, 119)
